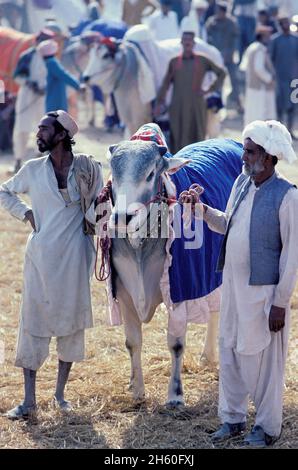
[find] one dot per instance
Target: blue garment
(284, 54)
(115, 29)
(215, 165)
(264, 235)
(108, 28)
(57, 79)
(77, 30)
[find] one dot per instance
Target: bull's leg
(210, 353)
(133, 343)
(175, 392)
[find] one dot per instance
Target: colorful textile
(12, 44)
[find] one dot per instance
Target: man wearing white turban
(59, 256)
(259, 259)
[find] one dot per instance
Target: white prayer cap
(67, 122)
(200, 4)
(48, 48)
(188, 26)
(283, 13)
(273, 136)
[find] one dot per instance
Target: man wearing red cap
(59, 256)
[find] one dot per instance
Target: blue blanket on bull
(108, 28)
(215, 164)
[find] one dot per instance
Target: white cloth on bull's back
(59, 257)
(179, 314)
(145, 76)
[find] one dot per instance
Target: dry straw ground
(104, 414)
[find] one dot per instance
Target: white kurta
(259, 104)
(59, 257)
(163, 26)
(245, 308)
(252, 359)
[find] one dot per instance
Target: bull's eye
(149, 177)
(106, 55)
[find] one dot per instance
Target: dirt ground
(104, 414)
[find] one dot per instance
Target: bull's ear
(173, 164)
(111, 150)
(162, 149)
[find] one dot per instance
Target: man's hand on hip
(29, 216)
(277, 318)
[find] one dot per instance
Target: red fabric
(12, 44)
(150, 132)
(108, 42)
(197, 66)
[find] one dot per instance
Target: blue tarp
(215, 164)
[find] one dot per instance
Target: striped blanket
(12, 44)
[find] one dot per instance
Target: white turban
(273, 136)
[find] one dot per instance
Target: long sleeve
(272, 50)
(260, 69)
(8, 194)
(210, 29)
(56, 70)
(289, 255)
(166, 82)
(217, 220)
(219, 72)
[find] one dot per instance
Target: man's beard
(44, 146)
(253, 170)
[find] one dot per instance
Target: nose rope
(159, 197)
(104, 243)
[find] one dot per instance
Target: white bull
(122, 70)
(139, 253)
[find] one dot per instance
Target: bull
(150, 265)
(133, 69)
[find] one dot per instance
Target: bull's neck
(140, 271)
(120, 73)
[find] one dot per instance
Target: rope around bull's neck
(104, 243)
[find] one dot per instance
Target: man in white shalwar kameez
(259, 258)
(59, 256)
(30, 103)
(260, 79)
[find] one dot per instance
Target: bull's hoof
(208, 361)
(177, 404)
(139, 397)
(63, 405)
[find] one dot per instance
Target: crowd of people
(257, 284)
(256, 40)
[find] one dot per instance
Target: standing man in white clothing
(259, 259)
(163, 22)
(260, 78)
(31, 75)
(59, 258)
